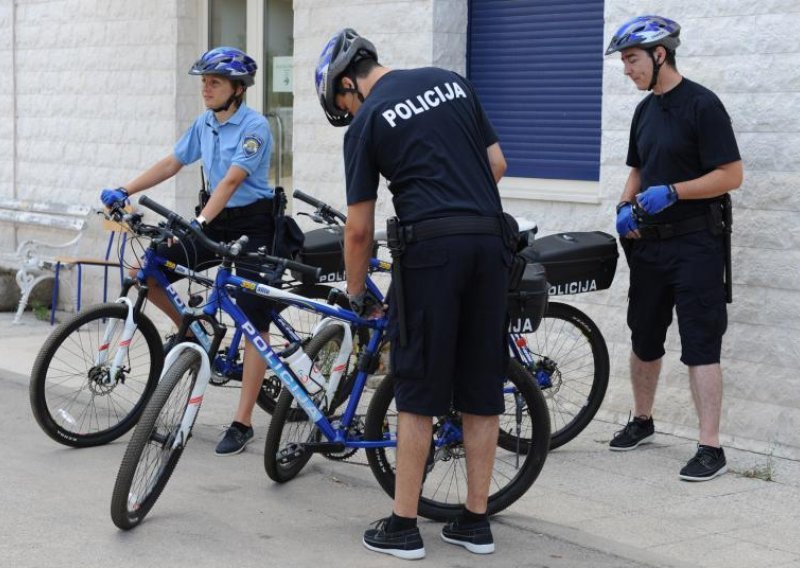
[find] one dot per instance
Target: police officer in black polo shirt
(425, 131)
(674, 221)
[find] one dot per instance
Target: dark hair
(362, 67)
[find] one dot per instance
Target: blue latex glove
(657, 198)
(625, 221)
(111, 197)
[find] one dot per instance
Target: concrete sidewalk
(629, 504)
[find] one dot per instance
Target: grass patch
(40, 311)
(764, 472)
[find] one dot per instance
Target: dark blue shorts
(686, 273)
(457, 354)
(261, 231)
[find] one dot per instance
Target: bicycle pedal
(290, 453)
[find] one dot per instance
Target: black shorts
(686, 273)
(457, 354)
(261, 232)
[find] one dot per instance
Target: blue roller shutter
(537, 66)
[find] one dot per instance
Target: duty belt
(676, 229)
(260, 207)
(447, 226)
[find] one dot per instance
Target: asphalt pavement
(589, 506)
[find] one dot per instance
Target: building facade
(94, 92)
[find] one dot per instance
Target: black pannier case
(324, 248)
(575, 262)
(527, 304)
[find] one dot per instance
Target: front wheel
(156, 444)
(73, 397)
(290, 426)
(444, 488)
(303, 322)
(571, 366)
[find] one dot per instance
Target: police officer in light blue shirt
(243, 140)
(234, 143)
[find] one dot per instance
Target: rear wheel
(290, 426)
(156, 444)
(516, 466)
(303, 322)
(571, 367)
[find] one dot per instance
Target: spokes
(161, 442)
(81, 396)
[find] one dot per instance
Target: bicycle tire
(571, 354)
(303, 322)
(290, 424)
(513, 474)
(148, 435)
(68, 399)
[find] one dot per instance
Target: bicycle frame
(219, 300)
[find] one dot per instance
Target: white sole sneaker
(646, 440)
(474, 548)
(717, 473)
(399, 553)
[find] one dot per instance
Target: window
(537, 66)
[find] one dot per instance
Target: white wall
(744, 50)
(101, 93)
(411, 33)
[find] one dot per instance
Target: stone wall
(101, 92)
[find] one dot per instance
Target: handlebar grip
(323, 207)
(161, 210)
(302, 196)
(313, 271)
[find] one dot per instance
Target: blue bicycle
(95, 373)
(165, 426)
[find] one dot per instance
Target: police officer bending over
(425, 131)
(674, 221)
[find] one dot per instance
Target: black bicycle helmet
(344, 49)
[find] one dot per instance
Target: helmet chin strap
(656, 69)
(234, 98)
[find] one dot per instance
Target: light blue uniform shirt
(244, 140)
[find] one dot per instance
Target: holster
(397, 247)
(721, 223)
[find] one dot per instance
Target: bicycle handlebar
(324, 208)
(226, 251)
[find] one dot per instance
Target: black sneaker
(405, 544)
(475, 537)
(636, 432)
(234, 441)
(708, 463)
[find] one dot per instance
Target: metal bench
(36, 260)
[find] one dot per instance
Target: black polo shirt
(679, 136)
(425, 131)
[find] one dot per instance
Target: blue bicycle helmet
(344, 49)
(646, 32)
(229, 62)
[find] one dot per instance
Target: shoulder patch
(251, 144)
